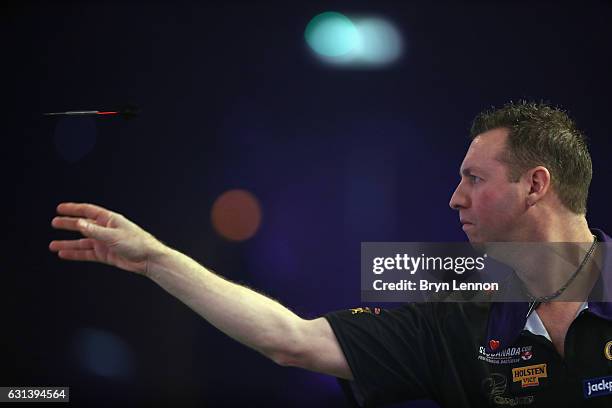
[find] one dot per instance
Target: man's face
(490, 207)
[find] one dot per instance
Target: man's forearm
(243, 314)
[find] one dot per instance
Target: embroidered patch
(608, 350)
(495, 386)
(510, 355)
(360, 310)
(597, 387)
(514, 401)
(529, 376)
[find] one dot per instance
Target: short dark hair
(542, 135)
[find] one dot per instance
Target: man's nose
(459, 199)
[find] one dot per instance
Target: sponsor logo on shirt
(608, 350)
(510, 355)
(529, 376)
(597, 387)
(358, 310)
(495, 386)
(513, 401)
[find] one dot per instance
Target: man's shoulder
(448, 316)
(440, 309)
(438, 316)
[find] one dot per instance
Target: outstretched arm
(245, 315)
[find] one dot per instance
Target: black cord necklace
(534, 301)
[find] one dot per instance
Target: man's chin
(477, 242)
(479, 246)
(473, 237)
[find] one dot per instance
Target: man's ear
(538, 181)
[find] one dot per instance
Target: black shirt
(472, 355)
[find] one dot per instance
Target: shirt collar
(508, 319)
(534, 323)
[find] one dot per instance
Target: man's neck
(558, 246)
(559, 226)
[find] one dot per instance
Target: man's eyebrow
(470, 170)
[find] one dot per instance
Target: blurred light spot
(75, 137)
(379, 41)
(104, 353)
(331, 34)
(236, 215)
(374, 42)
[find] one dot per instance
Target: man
(524, 178)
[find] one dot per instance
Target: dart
(127, 112)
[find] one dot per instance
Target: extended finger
(83, 210)
(70, 223)
(92, 230)
(66, 223)
(60, 245)
(78, 255)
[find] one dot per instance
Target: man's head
(521, 155)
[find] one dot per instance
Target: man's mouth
(466, 224)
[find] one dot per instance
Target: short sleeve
(391, 353)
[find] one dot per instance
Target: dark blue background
(232, 98)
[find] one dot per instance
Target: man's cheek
(493, 209)
(495, 201)
(486, 203)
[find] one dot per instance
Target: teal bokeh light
(380, 42)
(331, 34)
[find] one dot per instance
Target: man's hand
(109, 238)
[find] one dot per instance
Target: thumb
(92, 230)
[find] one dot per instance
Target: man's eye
(475, 179)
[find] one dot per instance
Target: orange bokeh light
(236, 215)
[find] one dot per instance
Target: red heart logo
(493, 344)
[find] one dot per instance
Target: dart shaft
(89, 112)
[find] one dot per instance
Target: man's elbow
(287, 359)
(306, 361)
(291, 350)
(314, 347)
